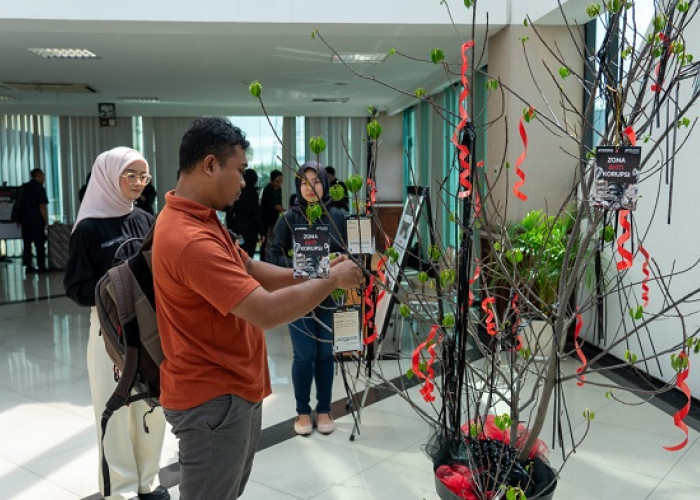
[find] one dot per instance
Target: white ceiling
(205, 67)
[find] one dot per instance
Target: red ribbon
(645, 271)
(631, 135)
(490, 322)
(683, 412)
(372, 195)
(464, 118)
(579, 351)
(523, 135)
(368, 321)
(626, 255)
(428, 386)
(477, 271)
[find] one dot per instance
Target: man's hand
(346, 274)
(338, 259)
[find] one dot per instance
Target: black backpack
(125, 303)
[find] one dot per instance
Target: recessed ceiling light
(4, 97)
(330, 99)
(139, 99)
(366, 57)
(49, 53)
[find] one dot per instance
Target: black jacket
(93, 245)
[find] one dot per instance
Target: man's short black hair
(274, 175)
(209, 135)
(330, 170)
(35, 173)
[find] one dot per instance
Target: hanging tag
(616, 176)
(346, 330)
(360, 240)
(312, 248)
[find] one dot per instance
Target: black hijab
(320, 170)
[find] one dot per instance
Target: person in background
(344, 202)
(32, 217)
(106, 219)
(312, 335)
(271, 208)
(244, 217)
(148, 196)
(212, 303)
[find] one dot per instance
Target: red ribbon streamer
(645, 271)
(464, 118)
(490, 322)
(516, 323)
(631, 135)
(523, 135)
(683, 412)
(626, 255)
(368, 320)
(656, 87)
(477, 271)
(372, 194)
(428, 386)
(579, 351)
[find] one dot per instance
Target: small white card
(346, 331)
(360, 240)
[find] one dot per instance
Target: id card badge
(346, 330)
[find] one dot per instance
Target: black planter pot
(544, 478)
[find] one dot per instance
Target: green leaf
(684, 122)
(524, 38)
(255, 89)
(626, 53)
(588, 414)
(392, 51)
(491, 84)
(338, 294)
(608, 395)
(682, 6)
(409, 374)
(630, 357)
(502, 422)
(468, 3)
(337, 192)
(608, 233)
(437, 56)
(452, 217)
(313, 212)
(317, 144)
(434, 253)
(447, 277)
(564, 72)
(525, 22)
(405, 311)
(449, 320)
(374, 129)
(474, 429)
(659, 22)
(419, 92)
(593, 10)
(354, 183)
(423, 277)
(423, 366)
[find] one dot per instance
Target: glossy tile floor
(48, 448)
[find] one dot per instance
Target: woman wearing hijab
(312, 336)
(106, 220)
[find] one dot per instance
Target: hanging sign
(312, 246)
(346, 331)
(359, 231)
(615, 177)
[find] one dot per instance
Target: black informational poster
(312, 248)
(616, 176)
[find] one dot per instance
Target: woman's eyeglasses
(132, 178)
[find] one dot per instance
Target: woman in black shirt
(106, 221)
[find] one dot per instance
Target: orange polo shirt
(199, 275)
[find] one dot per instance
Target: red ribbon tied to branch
(516, 322)
(463, 119)
(656, 86)
(372, 195)
(645, 271)
(523, 135)
(428, 386)
(368, 319)
(683, 412)
(477, 272)
(490, 322)
(626, 255)
(579, 351)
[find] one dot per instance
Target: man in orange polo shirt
(212, 304)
